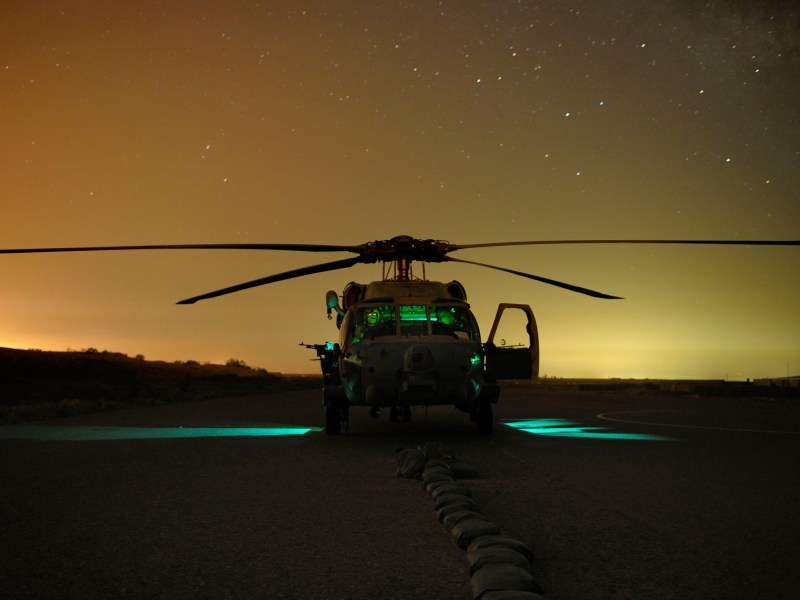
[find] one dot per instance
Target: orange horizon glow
(351, 122)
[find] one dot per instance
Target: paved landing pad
(769, 419)
(610, 507)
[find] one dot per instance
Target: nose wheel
(484, 419)
(400, 412)
(337, 413)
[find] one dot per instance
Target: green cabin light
(88, 433)
(564, 428)
(412, 312)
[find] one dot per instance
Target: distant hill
(38, 384)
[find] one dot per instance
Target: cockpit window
(413, 319)
(454, 320)
(371, 322)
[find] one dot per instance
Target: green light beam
(80, 434)
(563, 428)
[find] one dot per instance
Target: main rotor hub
(404, 247)
(402, 250)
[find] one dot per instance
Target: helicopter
(406, 341)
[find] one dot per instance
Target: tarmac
(617, 495)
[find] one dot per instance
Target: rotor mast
(400, 269)
(403, 266)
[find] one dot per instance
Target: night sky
(345, 122)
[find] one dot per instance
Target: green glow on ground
(89, 433)
(563, 428)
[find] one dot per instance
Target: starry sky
(343, 122)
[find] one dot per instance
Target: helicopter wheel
(484, 419)
(336, 409)
(395, 412)
(333, 422)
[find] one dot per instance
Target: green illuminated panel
(563, 428)
(412, 312)
(46, 433)
(413, 319)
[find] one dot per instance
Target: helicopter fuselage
(407, 343)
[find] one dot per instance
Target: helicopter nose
(418, 358)
(419, 380)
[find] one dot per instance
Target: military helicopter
(405, 341)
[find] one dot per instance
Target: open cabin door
(515, 360)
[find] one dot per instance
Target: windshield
(369, 322)
(454, 320)
(372, 321)
(413, 319)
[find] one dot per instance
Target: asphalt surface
(711, 512)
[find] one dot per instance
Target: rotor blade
(566, 286)
(549, 242)
(288, 247)
(331, 266)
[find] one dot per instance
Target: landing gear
(484, 419)
(397, 411)
(482, 412)
(333, 421)
(336, 409)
